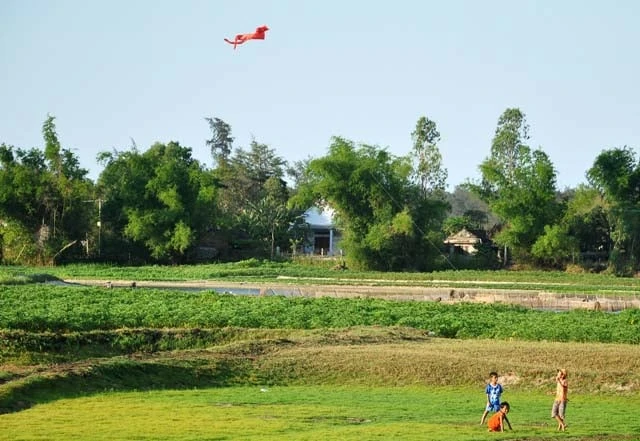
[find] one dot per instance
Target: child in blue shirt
(493, 391)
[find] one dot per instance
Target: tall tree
(43, 193)
(519, 185)
(245, 175)
(428, 168)
(616, 175)
(386, 224)
(221, 142)
(66, 179)
(261, 162)
(162, 199)
(509, 148)
(254, 216)
(52, 149)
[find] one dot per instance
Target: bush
(572, 268)
(18, 245)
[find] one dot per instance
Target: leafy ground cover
(46, 308)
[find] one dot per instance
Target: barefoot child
(497, 420)
(560, 401)
(493, 391)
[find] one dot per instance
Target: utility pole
(99, 222)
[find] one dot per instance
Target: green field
(160, 364)
(315, 413)
(47, 308)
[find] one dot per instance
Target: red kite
(259, 34)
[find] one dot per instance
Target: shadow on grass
(122, 375)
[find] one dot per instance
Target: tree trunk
(273, 242)
(505, 261)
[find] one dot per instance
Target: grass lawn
(317, 413)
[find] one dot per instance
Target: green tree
(244, 176)
(581, 234)
(519, 184)
(386, 223)
(429, 171)
(260, 162)
(555, 246)
(616, 175)
(587, 221)
(163, 199)
(269, 219)
(298, 172)
(42, 196)
(508, 148)
(221, 142)
(68, 189)
(255, 217)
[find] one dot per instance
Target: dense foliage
(393, 212)
(162, 198)
(519, 184)
(45, 201)
(616, 175)
(388, 222)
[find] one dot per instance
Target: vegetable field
(45, 308)
(351, 368)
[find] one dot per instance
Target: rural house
(323, 236)
(466, 242)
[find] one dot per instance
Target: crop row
(42, 308)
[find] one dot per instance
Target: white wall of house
(324, 237)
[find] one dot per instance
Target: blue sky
(152, 71)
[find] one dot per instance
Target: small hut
(466, 242)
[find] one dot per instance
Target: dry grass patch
(361, 356)
(435, 361)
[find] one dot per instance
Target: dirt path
(527, 298)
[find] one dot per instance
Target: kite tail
(231, 42)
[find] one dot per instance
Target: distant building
(323, 236)
(466, 242)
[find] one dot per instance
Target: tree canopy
(386, 220)
(42, 199)
(162, 198)
(519, 184)
(393, 211)
(616, 175)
